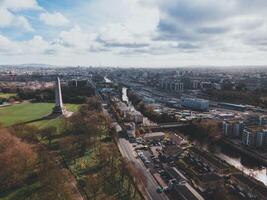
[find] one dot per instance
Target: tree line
(48, 163)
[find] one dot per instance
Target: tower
(59, 108)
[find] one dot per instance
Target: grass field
(25, 112)
(7, 95)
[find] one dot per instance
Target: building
(254, 137)
(134, 116)
(231, 106)
(129, 114)
(261, 139)
(130, 129)
(233, 128)
(179, 87)
(195, 103)
(154, 136)
(263, 120)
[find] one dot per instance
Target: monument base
(59, 110)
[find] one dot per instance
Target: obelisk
(59, 108)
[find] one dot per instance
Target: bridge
(166, 125)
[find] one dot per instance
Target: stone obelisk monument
(59, 108)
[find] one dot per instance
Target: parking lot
(162, 167)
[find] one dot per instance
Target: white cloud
(7, 46)
(5, 17)
(37, 45)
(22, 22)
(10, 18)
(76, 38)
(148, 31)
(54, 19)
(17, 5)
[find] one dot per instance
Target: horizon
(137, 67)
(134, 33)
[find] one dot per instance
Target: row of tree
(71, 94)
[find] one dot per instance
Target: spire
(59, 108)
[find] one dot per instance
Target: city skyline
(133, 33)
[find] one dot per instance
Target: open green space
(27, 111)
(7, 95)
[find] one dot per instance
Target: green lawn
(7, 95)
(30, 111)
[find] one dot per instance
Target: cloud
(9, 17)
(5, 17)
(54, 19)
(75, 38)
(23, 23)
(191, 30)
(7, 46)
(18, 5)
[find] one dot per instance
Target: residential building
(254, 137)
(233, 128)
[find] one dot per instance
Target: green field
(7, 95)
(25, 112)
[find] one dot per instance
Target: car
(166, 189)
(159, 189)
(173, 181)
(156, 166)
(140, 153)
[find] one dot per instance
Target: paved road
(151, 185)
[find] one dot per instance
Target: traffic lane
(151, 185)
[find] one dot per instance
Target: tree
(93, 185)
(25, 132)
(48, 133)
(56, 182)
(17, 160)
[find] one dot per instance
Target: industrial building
(231, 106)
(195, 103)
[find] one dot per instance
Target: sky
(135, 33)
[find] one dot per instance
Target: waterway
(107, 80)
(124, 95)
(249, 166)
(125, 98)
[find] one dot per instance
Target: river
(124, 95)
(242, 162)
(146, 121)
(107, 80)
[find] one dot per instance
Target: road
(151, 185)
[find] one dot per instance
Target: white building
(232, 128)
(256, 138)
(195, 103)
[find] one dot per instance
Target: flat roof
(231, 104)
(154, 134)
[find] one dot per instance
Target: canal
(146, 121)
(107, 80)
(240, 161)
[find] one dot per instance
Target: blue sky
(141, 33)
